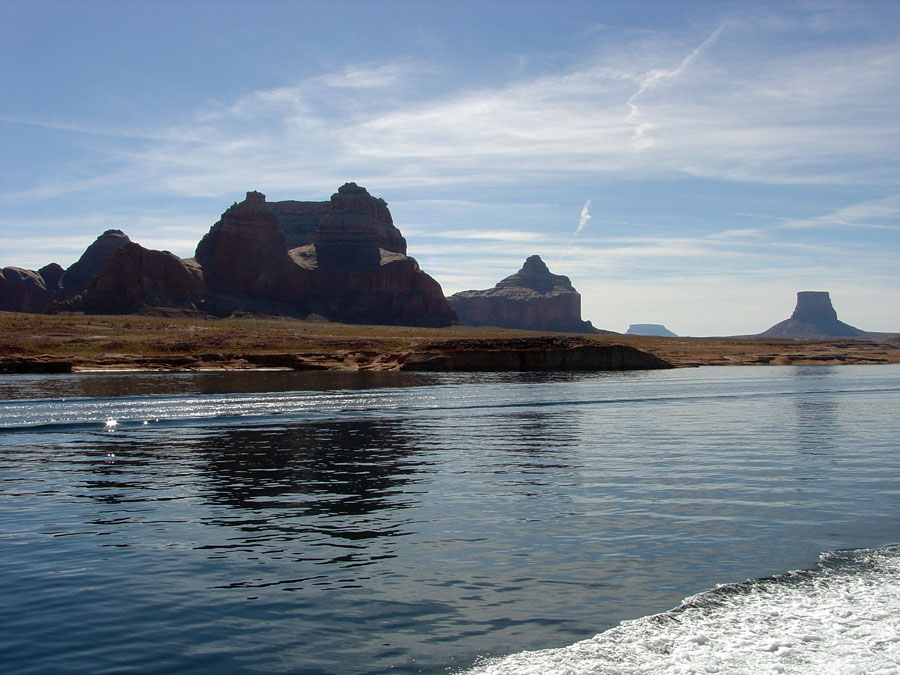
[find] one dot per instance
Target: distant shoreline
(39, 343)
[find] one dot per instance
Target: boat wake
(842, 617)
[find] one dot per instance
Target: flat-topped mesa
(532, 299)
(813, 317)
(649, 329)
(355, 230)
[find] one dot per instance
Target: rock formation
(136, 279)
(299, 220)
(349, 264)
(23, 290)
(533, 299)
(650, 329)
(814, 317)
(355, 229)
(528, 354)
(78, 275)
(353, 269)
(245, 260)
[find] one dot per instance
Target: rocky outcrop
(528, 355)
(814, 317)
(355, 268)
(23, 290)
(77, 276)
(245, 260)
(51, 274)
(355, 229)
(533, 299)
(350, 265)
(136, 279)
(649, 329)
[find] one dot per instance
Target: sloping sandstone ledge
(485, 355)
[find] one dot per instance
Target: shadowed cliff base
(58, 343)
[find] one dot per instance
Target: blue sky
(692, 164)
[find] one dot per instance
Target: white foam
(841, 618)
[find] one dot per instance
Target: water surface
(354, 523)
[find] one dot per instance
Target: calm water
(354, 523)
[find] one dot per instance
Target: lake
(413, 522)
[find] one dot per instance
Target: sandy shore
(61, 343)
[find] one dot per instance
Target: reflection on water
(336, 468)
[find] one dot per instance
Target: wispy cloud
(494, 235)
(584, 217)
(815, 113)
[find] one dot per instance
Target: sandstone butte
(814, 317)
(532, 299)
(341, 260)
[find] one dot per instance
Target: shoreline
(37, 343)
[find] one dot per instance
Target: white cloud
(496, 235)
(584, 217)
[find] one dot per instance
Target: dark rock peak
(135, 279)
(51, 274)
(534, 265)
(536, 276)
(78, 275)
(814, 317)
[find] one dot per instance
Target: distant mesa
(532, 299)
(814, 317)
(649, 329)
(342, 259)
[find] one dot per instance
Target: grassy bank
(104, 338)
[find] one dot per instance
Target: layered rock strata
(354, 269)
(533, 299)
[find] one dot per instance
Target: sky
(690, 164)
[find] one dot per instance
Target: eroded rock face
(23, 290)
(299, 220)
(354, 270)
(51, 274)
(137, 279)
(245, 253)
(533, 299)
(813, 317)
(77, 276)
(356, 227)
